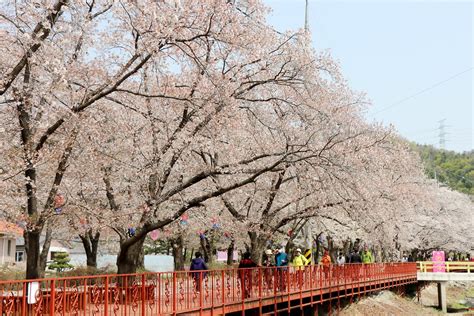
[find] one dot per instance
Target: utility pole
(307, 232)
(306, 25)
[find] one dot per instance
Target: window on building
(9, 248)
(19, 256)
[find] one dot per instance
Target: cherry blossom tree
(443, 224)
(127, 115)
(61, 58)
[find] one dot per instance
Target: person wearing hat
(299, 261)
(281, 262)
(267, 264)
(367, 256)
(267, 258)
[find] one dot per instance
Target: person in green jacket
(299, 262)
(367, 256)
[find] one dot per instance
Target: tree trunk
(257, 246)
(331, 249)
(230, 252)
(91, 245)
(191, 255)
(32, 248)
(141, 259)
(127, 260)
(203, 243)
(178, 253)
(289, 247)
(207, 247)
(168, 242)
(317, 253)
(346, 246)
(36, 263)
(43, 258)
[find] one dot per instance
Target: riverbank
(388, 303)
(460, 298)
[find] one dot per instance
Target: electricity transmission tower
(442, 134)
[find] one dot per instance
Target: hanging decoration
(290, 232)
(59, 202)
(83, 223)
(154, 234)
(131, 231)
(227, 235)
(215, 224)
(201, 234)
(184, 219)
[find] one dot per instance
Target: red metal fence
(216, 291)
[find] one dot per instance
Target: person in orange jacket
(326, 263)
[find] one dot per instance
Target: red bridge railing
(218, 291)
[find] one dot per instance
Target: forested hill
(456, 170)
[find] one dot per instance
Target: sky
(413, 59)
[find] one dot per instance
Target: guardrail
(218, 291)
(450, 266)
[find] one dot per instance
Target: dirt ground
(460, 298)
(387, 303)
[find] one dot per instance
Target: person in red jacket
(245, 274)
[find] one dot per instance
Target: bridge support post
(442, 297)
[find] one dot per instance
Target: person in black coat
(355, 257)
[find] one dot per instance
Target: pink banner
(438, 261)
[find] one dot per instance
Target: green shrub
(61, 262)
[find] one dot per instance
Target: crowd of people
(278, 258)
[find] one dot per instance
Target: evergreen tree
(456, 170)
(61, 262)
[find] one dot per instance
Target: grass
(470, 292)
(7, 274)
(85, 271)
(459, 295)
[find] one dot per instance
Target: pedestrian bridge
(266, 291)
(453, 271)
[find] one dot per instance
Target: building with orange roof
(8, 234)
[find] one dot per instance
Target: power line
(423, 91)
